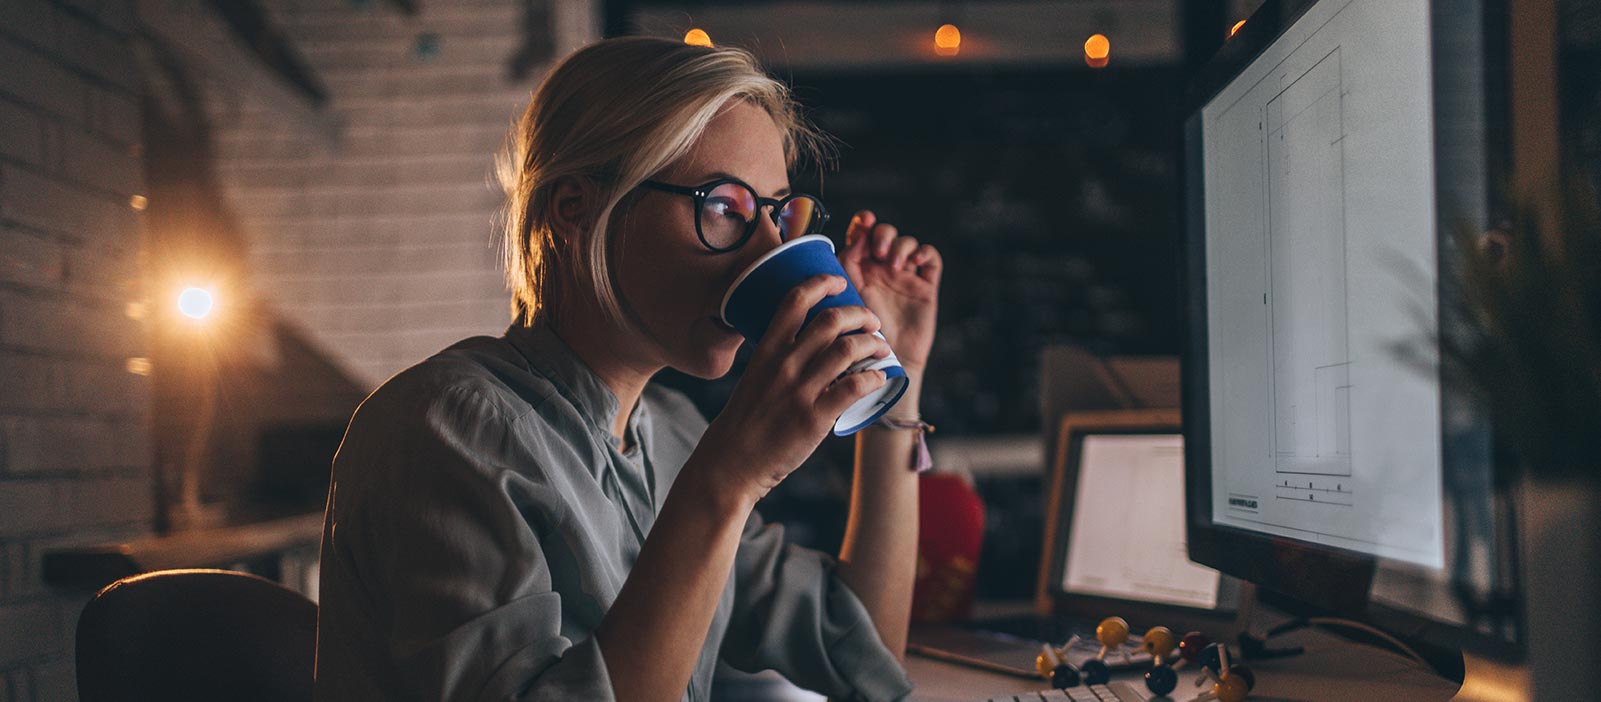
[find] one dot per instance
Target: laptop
(1113, 546)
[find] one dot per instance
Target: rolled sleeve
(793, 614)
(439, 585)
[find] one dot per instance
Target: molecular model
(1159, 642)
(1112, 633)
(1053, 666)
(1229, 683)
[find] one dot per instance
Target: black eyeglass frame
(704, 190)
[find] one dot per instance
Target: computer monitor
(1142, 558)
(1114, 532)
(1330, 149)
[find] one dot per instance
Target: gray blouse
(481, 519)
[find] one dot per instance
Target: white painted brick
(26, 506)
(441, 112)
(113, 115)
(43, 445)
(93, 161)
(34, 79)
(31, 260)
(383, 248)
(480, 138)
(21, 133)
(52, 205)
(106, 270)
(42, 384)
(367, 84)
(97, 51)
(40, 507)
(69, 327)
(440, 169)
(104, 387)
(33, 383)
(308, 24)
(31, 629)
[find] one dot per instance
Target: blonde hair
(614, 113)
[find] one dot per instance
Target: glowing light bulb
(1097, 50)
(947, 40)
(697, 37)
(1236, 28)
(195, 303)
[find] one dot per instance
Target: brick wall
(74, 422)
(378, 241)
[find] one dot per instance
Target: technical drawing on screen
(1318, 182)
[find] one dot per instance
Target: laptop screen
(1126, 539)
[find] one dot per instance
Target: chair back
(197, 634)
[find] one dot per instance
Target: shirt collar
(553, 358)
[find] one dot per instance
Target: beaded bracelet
(921, 461)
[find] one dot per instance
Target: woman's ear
(572, 206)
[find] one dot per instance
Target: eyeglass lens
(729, 208)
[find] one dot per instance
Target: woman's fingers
(901, 251)
(928, 262)
(837, 358)
(847, 390)
(830, 324)
(860, 225)
(882, 237)
(792, 311)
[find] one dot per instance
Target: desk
(1332, 669)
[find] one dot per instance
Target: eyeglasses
(726, 212)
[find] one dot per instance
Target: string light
(1097, 50)
(195, 303)
(947, 40)
(1236, 28)
(138, 202)
(697, 37)
(139, 365)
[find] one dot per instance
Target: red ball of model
(1192, 644)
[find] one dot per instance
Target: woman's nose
(764, 239)
(767, 232)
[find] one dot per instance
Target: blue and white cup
(754, 298)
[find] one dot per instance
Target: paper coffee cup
(754, 298)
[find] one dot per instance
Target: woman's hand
(788, 398)
(898, 279)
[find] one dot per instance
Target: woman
(526, 517)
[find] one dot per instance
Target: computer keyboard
(1115, 692)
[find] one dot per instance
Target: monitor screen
(1320, 261)
(1127, 533)
(1327, 458)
